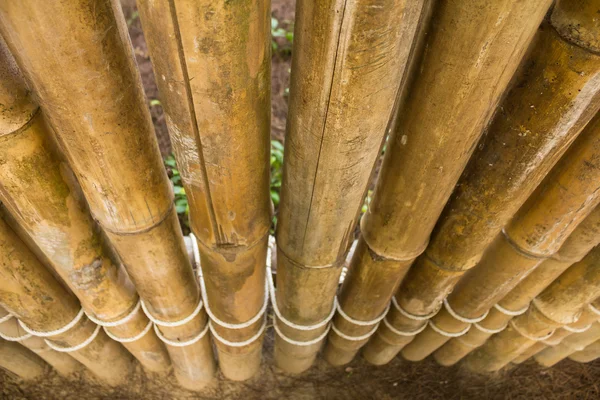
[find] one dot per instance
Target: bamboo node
(359, 322)
(169, 324)
(74, 348)
(354, 338)
(527, 336)
(403, 333)
(180, 344)
(229, 343)
(129, 339)
(448, 334)
(576, 330)
(412, 316)
(121, 321)
(14, 338)
(55, 332)
(509, 312)
(204, 295)
(491, 331)
(461, 318)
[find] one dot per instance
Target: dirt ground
(398, 380)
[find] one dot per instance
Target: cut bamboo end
(20, 361)
(589, 354)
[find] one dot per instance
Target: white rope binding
(509, 312)
(594, 309)
(6, 318)
(412, 316)
(353, 338)
(298, 342)
(359, 322)
(226, 342)
(15, 338)
(181, 344)
(576, 330)
(169, 324)
(460, 317)
(55, 332)
(490, 331)
(527, 336)
(74, 348)
(448, 334)
(130, 339)
(403, 333)
(121, 321)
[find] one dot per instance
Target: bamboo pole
(30, 293)
(91, 92)
(589, 354)
(219, 124)
(559, 304)
(39, 190)
(348, 62)
(566, 196)
(424, 158)
(585, 237)
(20, 361)
(569, 345)
(10, 330)
(551, 101)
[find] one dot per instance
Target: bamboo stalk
(348, 62)
(566, 196)
(569, 345)
(552, 99)
(585, 237)
(64, 364)
(30, 293)
(39, 190)
(20, 361)
(91, 92)
(424, 158)
(219, 124)
(589, 354)
(560, 304)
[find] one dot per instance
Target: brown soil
(397, 380)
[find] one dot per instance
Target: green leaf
(290, 36)
(277, 144)
(274, 23)
(275, 197)
(154, 102)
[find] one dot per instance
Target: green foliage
(276, 175)
(368, 198)
(181, 202)
(155, 102)
(134, 16)
(279, 32)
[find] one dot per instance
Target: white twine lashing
(460, 317)
(121, 321)
(527, 336)
(354, 338)
(226, 342)
(409, 315)
(298, 342)
(15, 338)
(129, 339)
(509, 312)
(56, 332)
(180, 344)
(403, 333)
(488, 330)
(448, 334)
(576, 330)
(74, 348)
(6, 318)
(171, 324)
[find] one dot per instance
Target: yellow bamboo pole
(465, 47)
(11, 331)
(30, 293)
(216, 97)
(39, 190)
(566, 196)
(552, 99)
(20, 361)
(348, 62)
(91, 92)
(585, 237)
(589, 354)
(560, 304)
(569, 345)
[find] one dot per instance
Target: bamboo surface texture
(91, 93)
(216, 96)
(20, 361)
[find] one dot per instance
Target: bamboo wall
(481, 242)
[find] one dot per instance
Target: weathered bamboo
(585, 237)
(64, 364)
(473, 49)
(569, 345)
(36, 298)
(349, 60)
(552, 99)
(20, 361)
(589, 354)
(216, 97)
(91, 92)
(559, 304)
(39, 190)
(537, 231)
